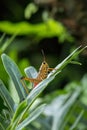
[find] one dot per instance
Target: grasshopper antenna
(43, 55)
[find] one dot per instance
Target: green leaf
(75, 62)
(1, 127)
(15, 120)
(77, 120)
(61, 113)
(30, 9)
(6, 97)
(7, 43)
(31, 72)
(2, 38)
(15, 75)
(50, 28)
(67, 60)
(19, 110)
(38, 89)
(31, 117)
(34, 93)
(18, 116)
(84, 87)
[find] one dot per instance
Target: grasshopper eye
(44, 63)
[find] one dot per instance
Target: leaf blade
(13, 71)
(31, 117)
(60, 115)
(6, 96)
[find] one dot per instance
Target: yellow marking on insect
(42, 74)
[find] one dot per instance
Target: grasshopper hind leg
(26, 89)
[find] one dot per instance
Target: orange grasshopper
(42, 74)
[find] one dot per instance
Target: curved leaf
(60, 114)
(15, 120)
(31, 72)
(31, 117)
(7, 98)
(34, 93)
(15, 75)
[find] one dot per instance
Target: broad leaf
(15, 75)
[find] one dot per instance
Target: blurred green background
(56, 26)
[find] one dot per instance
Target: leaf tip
(3, 55)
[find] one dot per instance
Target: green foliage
(6, 97)
(30, 9)
(7, 42)
(60, 107)
(20, 116)
(15, 75)
(48, 29)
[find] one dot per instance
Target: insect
(42, 74)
